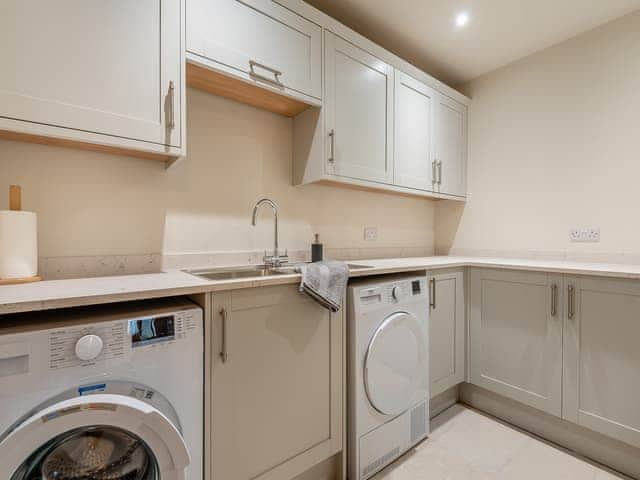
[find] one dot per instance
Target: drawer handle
(276, 74)
(434, 177)
(554, 300)
(224, 355)
(572, 302)
(172, 114)
(439, 172)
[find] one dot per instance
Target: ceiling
(498, 31)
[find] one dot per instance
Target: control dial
(89, 347)
(397, 293)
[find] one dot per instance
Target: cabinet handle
(571, 304)
(440, 173)
(276, 73)
(172, 114)
(434, 178)
(432, 293)
(332, 136)
(224, 355)
(554, 300)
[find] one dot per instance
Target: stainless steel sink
(255, 271)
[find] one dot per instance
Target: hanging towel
(325, 282)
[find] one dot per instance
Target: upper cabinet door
(359, 113)
(101, 67)
(413, 132)
(515, 328)
(450, 146)
(602, 358)
(258, 40)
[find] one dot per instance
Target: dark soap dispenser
(316, 250)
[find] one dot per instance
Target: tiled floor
(467, 445)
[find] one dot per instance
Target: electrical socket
(585, 234)
(370, 234)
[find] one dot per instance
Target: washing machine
(388, 382)
(103, 393)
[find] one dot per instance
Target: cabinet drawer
(259, 41)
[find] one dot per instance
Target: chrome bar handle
(224, 355)
(440, 173)
(434, 178)
(276, 73)
(572, 300)
(554, 300)
(432, 293)
(332, 140)
(172, 112)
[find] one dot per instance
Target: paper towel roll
(18, 244)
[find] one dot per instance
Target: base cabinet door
(446, 331)
(602, 357)
(112, 68)
(358, 112)
(277, 383)
(516, 336)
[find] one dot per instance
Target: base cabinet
(602, 357)
(276, 384)
(516, 336)
(564, 345)
(446, 331)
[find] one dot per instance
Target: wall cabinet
(446, 330)
(602, 358)
(277, 384)
(450, 146)
(414, 166)
(358, 112)
(515, 327)
(259, 42)
(107, 73)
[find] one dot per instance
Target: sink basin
(254, 271)
(238, 272)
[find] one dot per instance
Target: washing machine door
(103, 436)
(396, 365)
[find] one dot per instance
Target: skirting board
(441, 402)
(592, 445)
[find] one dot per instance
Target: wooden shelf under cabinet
(241, 91)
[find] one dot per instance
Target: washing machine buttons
(89, 347)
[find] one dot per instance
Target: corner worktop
(51, 294)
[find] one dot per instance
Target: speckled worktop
(88, 291)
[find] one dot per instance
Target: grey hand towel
(325, 282)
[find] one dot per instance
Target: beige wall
(94, 204)
(554, 142)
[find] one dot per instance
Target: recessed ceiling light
(462, 19)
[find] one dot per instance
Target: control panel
(92, 343)
(392, 292)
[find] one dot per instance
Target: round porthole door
(97, 437)
(396, 365)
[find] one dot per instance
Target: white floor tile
(467, 445)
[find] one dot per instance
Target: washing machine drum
(396, 366)
(98, 453)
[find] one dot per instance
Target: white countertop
(88, 291)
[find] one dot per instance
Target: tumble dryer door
(396, 365)
(103, 436)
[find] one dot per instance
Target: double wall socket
(585, 234)
(370, 234)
